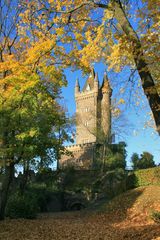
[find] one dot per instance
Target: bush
(148, 176)
(22, 206)
(143, 177)
(111, 183)
(42, 194)
(143, 162)
(156, 216)
(131, 181)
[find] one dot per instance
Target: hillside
(125, 217)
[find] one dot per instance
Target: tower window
(86, 123)
(88, 88)
(86, 141)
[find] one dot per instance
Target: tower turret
(89, 84)
(96, 83)
(77, 87)
(92, 72)
(106, 108)
(106, 86)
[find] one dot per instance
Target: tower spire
(77, 86)
(106, 107)
(96, 83)
(105, 85)
(92, 72)
(89, 84)
(96, 78)
(77, 82)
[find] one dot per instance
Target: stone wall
(82, 156)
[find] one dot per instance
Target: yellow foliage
(108, 14)
(121, 101)
(60, 31)
(116, 112)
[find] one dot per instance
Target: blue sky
(132, 127)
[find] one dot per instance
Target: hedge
(144, 177)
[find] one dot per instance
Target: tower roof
(77, 83)
(90, 81)
(96, 77)
(105, 84)
(77, 86)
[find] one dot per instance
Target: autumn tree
(119, 32)
(38, 39)
(30, 82)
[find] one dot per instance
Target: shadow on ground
(124, 218)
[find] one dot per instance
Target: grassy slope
(125, 217)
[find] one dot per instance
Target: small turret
(106, 107)
(77, 87)
(105, 85)
(96, 83)
(89, 84)
(92, 72)
(96, 78)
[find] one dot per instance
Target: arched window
(87, 109)
(86, 123)
(88, 88)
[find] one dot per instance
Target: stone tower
(93, 109)
(93, 118)
(106, 93)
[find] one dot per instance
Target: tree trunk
(9, 170)
(147, 81)
(25, 175)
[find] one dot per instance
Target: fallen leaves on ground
(127, 219)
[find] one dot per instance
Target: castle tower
(93, 109)
(86, 110)
(93, 118)
(106, 108)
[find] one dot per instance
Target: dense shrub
(131, 181)
(115, 161)
(143, 177)
(148, 176)
(42, 194)
(67, 176)
(48, 177)
(143, 162)
(22, 206)
(111, 183)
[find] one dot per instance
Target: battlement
(82, 145)
(85, 95)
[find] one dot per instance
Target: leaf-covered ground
(126, 217)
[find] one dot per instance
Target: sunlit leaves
(31, 75)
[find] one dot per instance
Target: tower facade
(86, 111)
(93, 121)
(93, 110)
